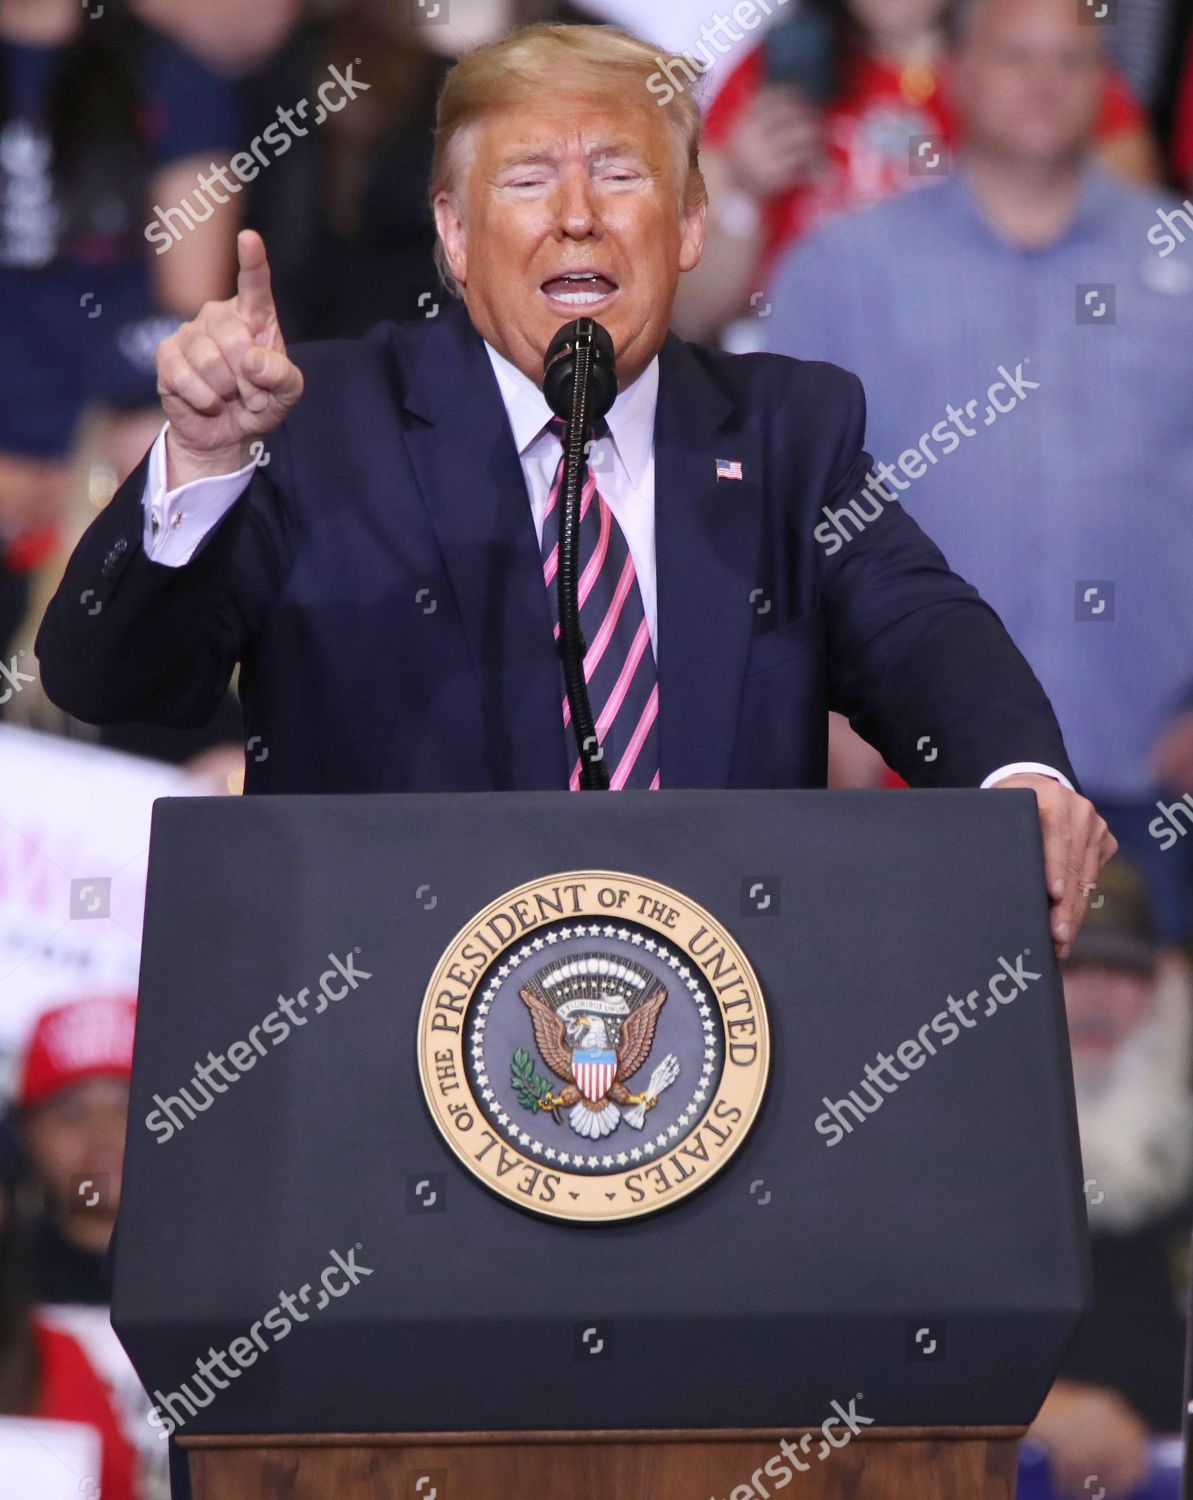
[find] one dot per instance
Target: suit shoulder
(352, 386)
(774, 379)
(328, 361)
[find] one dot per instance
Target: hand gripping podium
(653, 1145)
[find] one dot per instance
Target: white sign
(49, 1460)
(74, 842)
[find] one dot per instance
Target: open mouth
(579, 288)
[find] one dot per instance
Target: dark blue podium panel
(918, 1247)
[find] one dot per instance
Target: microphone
(580, 384)
(587, 340)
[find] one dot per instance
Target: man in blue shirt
(1028, 353)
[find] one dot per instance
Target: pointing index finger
(254, 288)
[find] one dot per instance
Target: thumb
(273, 376)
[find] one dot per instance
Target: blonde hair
(601, 62)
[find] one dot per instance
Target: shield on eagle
(594, 1069)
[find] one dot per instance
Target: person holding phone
(842, 106)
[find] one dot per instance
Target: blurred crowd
(980, 206)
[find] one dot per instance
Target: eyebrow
(551, 158)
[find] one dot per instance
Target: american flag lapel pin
(728, 468)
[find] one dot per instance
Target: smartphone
(803, 52)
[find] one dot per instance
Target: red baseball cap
(91, 1038)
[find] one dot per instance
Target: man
(381, 581)
(1129, 1028)
(787, 167)
(1025, 345)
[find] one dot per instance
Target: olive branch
(529, 1087)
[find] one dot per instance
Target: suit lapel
(471, 479)
(706, 539)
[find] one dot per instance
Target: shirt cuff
(178, 521)
(1025, 768)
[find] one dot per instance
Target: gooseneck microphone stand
(580, 384)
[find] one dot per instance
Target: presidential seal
(593, 1046)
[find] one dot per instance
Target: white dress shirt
(624, 473)
(176, 521)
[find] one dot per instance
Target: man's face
(571, 209)
(1104, 1006)
(1029, 80)
(77, 1136)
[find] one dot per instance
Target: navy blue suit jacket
(381, 586)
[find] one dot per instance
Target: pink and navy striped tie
(619, 665)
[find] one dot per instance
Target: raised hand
(225, 379)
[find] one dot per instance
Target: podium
(656, 1145)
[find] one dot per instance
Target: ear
(691, 236)
(452, 234)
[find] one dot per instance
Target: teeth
(578, 299)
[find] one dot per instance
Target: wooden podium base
(977, 1463)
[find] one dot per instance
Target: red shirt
(71, 1391)
(868, 127)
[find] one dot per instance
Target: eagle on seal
(593, 1069)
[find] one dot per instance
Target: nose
(1047, 71)
(577, 214)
